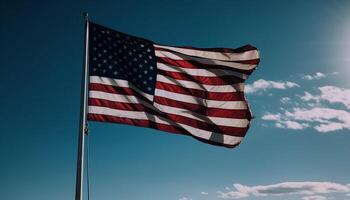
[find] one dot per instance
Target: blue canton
(116, 55)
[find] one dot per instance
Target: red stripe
(136, 122)
(222, 80)
(187, 57)
(202, 110)
(227, 130)
(116, 90)
(191, 64)
(172, 118)
(242, 49)
(151, 124)
(219, 96)
(116, 105)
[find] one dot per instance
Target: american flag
(185, 90)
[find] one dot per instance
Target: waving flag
(185, 90)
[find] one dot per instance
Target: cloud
(263, 85)
(283, 122)
(318, 75)
(314, 197)
(185, 198)
(286, 188)
(285, 100)
(331, 94)
(321, 119)
(204, 193)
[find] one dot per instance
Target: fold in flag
(185, 90)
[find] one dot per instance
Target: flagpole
(83, 126)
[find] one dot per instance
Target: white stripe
(114, 97)
(239, 87)
(201, 72)
(172, 55)
(118, 83)
(216, 137)
(241, 123)
(230, 105)
(247, 55)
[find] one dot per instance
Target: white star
(115, 72)
(151, 67)
(139, 76)
(150, 57)
(142, 45)
(148, 50)
(145, 61)
(150, 78)
(145, 82)
(110, 67)
(145, 71)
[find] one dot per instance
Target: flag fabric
(185, 90)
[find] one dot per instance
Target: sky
(296, 149)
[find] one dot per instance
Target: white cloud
(334, 94)
(321, 119)
(314, 197)
(318, 75)
(331, 94)
(285, 188)
(185, 198)
(272, 117)
(204, 193)
(285, 100)
(263, 85)
(335, 73)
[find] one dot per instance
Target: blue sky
(298, 145)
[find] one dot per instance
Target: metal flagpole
(83, 126)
